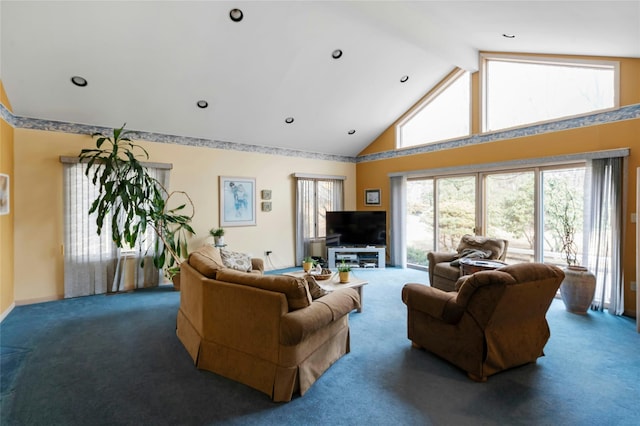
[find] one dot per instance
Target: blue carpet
(115, 360)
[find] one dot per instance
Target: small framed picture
(371, 197)
(266, 206)
(266, 194)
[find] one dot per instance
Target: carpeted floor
(115, 360)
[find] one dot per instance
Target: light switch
(634, 217)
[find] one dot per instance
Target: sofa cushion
(236, 260)
(314, 288)
(206, 260)
(496, 246)
(445, 270)
(295, 289)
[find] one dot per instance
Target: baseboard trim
(38, 300)
(7, 311)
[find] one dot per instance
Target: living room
(32, 233)
(33, 147)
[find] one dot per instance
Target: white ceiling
(149, 62)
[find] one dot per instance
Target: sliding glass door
(531, 208)
(456, 210)
(509, 207)
(563, 215)
(439, 212)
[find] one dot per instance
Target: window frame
(545, 60)
(440, 88)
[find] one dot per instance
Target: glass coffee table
(334, 283)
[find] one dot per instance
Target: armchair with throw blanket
(444, 269)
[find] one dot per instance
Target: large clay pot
(577, 289)
(176, 281)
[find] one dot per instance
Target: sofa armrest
(433, 302)
(257, 264)
(298, 325)
(439, 256)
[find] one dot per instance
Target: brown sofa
(265, 331)
(443, 275)
(495, 321)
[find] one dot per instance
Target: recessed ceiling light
(508, 35)
(236, 15)
(336, 54)
(404, 79)
(288, 120)
(202, 104)
(352, 131)
(79, 81)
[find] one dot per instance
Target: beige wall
(6, 221)
(38, 201)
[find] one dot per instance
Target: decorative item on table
(343, 271)
(307, 263)
(320, 273)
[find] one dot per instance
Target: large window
(530, 208)
(315, 195)
(445, 114)
(525, 90)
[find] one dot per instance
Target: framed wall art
(237, 201)
(371, 197)
(4, 194)
(266, 194)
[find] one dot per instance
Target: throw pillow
(235, 260)
(314, 288)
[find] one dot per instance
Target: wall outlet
(268, 252)
(633, 286)
(634, 217)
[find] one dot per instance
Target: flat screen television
(356, 228)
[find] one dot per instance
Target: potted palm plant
(135, 200)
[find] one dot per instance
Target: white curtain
(314, 197)
(92, 263)
(604, 223)
(398, 255)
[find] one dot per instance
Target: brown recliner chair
(495, 321)
(443, 275)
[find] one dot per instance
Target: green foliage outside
(509, 211)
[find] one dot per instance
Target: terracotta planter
(344, 276)
(176, 281)
(577, 289)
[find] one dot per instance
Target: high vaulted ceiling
(147, 63)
